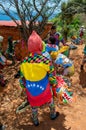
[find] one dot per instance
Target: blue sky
(5, 17)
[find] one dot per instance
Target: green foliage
(69, 20)
(71, 27)
(75, 25)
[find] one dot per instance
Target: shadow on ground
(46, 124)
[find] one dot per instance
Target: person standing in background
(10, 50)
(81, 32)
(57, 36)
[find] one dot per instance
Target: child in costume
(64, 67)
(47, 48)
(38, 77)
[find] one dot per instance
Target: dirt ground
(72, 117)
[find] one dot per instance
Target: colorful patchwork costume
(37, 76)
(36, 70)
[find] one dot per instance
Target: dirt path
(71, 117)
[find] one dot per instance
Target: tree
(66, 18)
(77, 6)
(68, 11)
(32, 11)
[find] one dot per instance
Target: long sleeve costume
(37, 74)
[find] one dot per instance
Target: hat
(1, 38)
(82, 26)
(35, 44)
